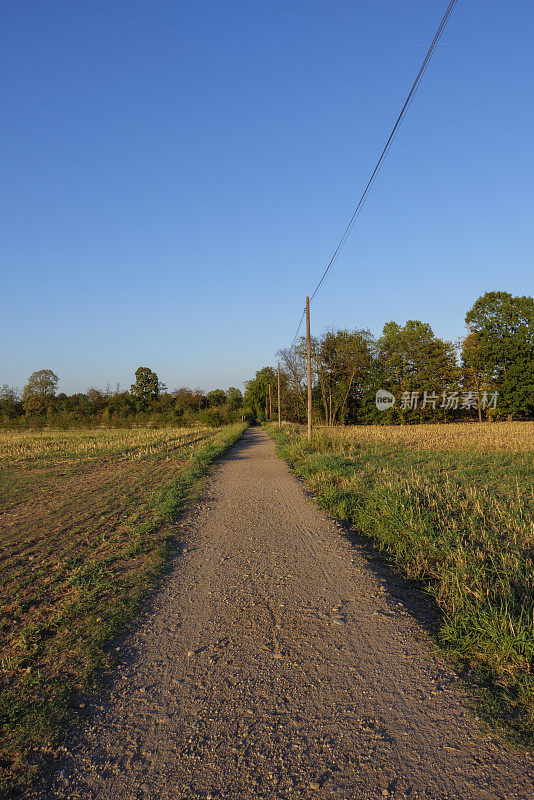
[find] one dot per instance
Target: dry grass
(511, 436)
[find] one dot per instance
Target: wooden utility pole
(308, 342)
(270, 404)
(279, 418)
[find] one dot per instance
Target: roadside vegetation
(451, 505)
(85, 535)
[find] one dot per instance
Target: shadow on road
(411, 593)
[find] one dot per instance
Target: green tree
(234, 398)
(342, 361)
(474, 374)
(293, 382)
(146, 388)
(504, 330)
(9, 402)
(39, 392)
(188, 402)
(217, 397)
(412, 359)
(257, 392)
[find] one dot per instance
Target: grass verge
(459, 518)
(79, 564)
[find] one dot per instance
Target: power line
(387, 146)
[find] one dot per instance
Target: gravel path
(277, 661)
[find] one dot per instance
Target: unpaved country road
(275, 663)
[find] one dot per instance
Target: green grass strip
(461, 521)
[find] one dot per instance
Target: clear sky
(176, 174)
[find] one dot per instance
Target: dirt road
(279, 661)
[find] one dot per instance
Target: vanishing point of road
(281, 659)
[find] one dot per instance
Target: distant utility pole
(308, 342)
(270, 403)
(279, 419)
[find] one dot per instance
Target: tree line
(486, 374)
(147, 402)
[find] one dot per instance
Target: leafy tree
(474, 374)
(412, 359)
(342, 360)
(217, 397)
(187, 400)
(146, 388)
(293, 382)
(504, 330)
(120, 405)
(213, 416)
(165, 403)
(234, 398)
(40, 391)
(96, 398)
(257, 392)
(10, 405)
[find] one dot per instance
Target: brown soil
(280, 661)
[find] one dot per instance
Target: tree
(96, 398)
(504, 330)
(234, 404)
(474, 375)
(9, 402)
(257, 392)
(217, 397)
(234, 398)
(146, 388)
(293, 377)
(39, 392)
(187, 401)
(342, 360)
(412, 359)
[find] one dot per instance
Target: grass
(85, 536)
(451, 505)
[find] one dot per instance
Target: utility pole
(270, 404)
(279, 419)
(308, 342)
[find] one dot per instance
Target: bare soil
(281, 660)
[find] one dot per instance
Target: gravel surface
(277, 661)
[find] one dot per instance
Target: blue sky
(176, 175)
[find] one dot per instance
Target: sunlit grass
(453, 505)
(512, 436)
